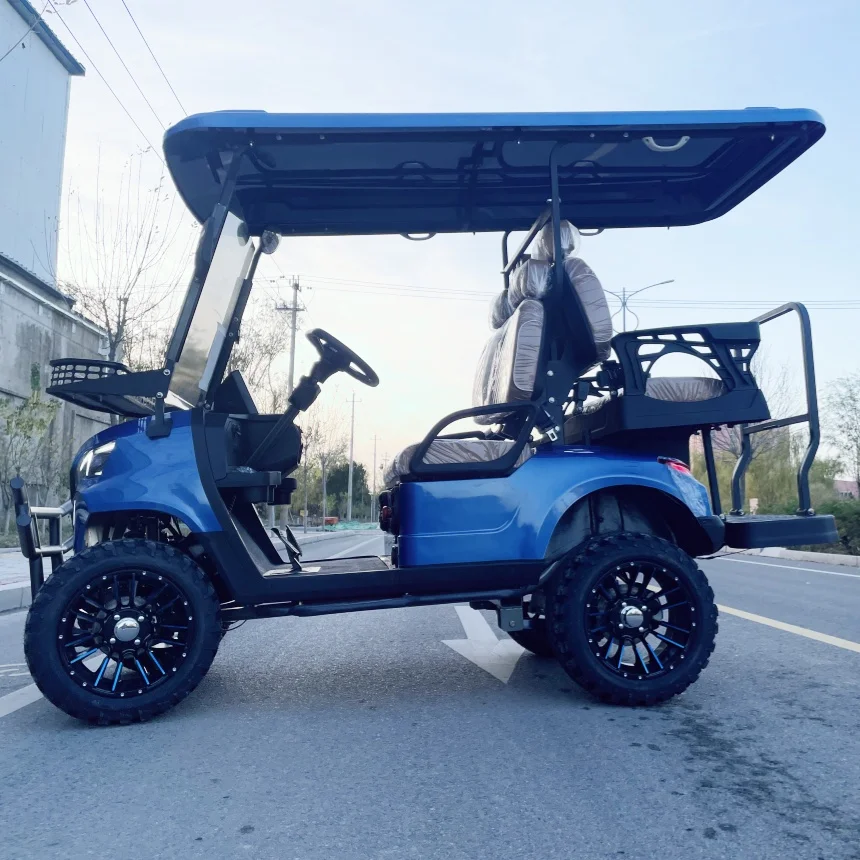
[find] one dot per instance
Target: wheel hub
(126, 629)
(632, 616)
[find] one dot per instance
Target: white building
(37, 321)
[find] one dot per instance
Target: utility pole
(323, 459)
(373, 497)
(293, 324)
(351, 445)
(293, 310)
(624, 297)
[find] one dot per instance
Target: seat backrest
(507, 369)
(525, 332)
(583, 300)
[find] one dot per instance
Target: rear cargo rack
(27, 521)
(805, 527)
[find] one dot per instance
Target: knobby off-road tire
(134, 579)
(603, 589)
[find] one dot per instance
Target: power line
(104, 81)
(152, 54)
(119, 57)
(29, 30)
(402, 295)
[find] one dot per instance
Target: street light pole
(624, 297)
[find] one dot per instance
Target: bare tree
(842, 408)
(124, 256)
(262, 343)
(23, 427)
(775, 382)
(325, 441)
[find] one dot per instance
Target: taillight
(677, 465)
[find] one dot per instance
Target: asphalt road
(364, 736)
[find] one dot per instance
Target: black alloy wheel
(125, 633)
(632, 619)
(122, 632)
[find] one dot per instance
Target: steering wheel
(341, 357)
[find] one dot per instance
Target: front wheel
(122, 632)
(632, 619)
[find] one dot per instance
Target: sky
(794, 239)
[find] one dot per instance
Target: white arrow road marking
(19, 699)
(481, 647)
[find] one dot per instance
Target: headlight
(94, 460)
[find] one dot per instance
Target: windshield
(208, 327)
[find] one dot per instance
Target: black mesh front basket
(67, 370)
(106, 386)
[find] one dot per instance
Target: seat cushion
(674, 389)
(684, 389)
(452, 451)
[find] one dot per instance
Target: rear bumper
(760, 531)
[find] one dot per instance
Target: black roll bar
(810, 417)
(509, 265)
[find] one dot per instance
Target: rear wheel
(122, 632)
(632, 619)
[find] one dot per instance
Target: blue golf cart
(571, 512)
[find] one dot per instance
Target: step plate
(760, 531)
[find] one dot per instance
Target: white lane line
(352, 550)
(789, 567)
(847, 644)
(12, 702)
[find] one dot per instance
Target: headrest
(530, 280)
(571, 241)
(500, 310)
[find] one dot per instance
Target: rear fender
(639, 509)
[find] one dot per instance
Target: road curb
(14, 597)
(801, 555)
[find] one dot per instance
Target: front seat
(506, 373)
(508, 368)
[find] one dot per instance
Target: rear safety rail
(810, 417)
(27, 521)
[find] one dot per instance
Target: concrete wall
(37, 323)
(36, 327)
(34, 99)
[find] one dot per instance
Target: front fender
(153, 475)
